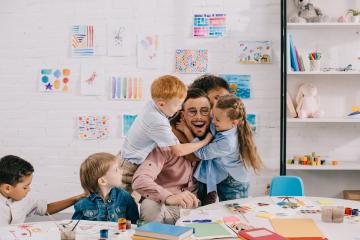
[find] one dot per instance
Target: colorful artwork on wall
(251, 118)
(254, 52)
(127, 121)
(93, 127)
(126, 88)
(148, 51)
(239, 85)
(119, 39)
(92, 80)
(54, 80)
(209, 25)
(191, 61)
(82, 41)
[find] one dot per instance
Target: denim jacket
(119, 205)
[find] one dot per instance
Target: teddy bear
(308, 102)
(307, 12)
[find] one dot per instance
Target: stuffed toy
(307, 12)
(308, 102)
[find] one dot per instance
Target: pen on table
(53, 219)
(75, 225)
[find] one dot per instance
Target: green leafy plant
(354, 12)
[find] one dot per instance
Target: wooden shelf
(332, 25)
(341, 166)
(337, 73)
(323, 120)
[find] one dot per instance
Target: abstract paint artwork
(239, 85)
(191, 61)
(209, 25)
(148, 54)
(54, 80)
(118, 39)
(126, 88)
(92, 80)
(82, 41)
(26, 231)
(127, 121)
(254, 52)
(252, 119)
(93, 127)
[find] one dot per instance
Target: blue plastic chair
(286, 186)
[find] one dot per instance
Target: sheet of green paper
(209, 230)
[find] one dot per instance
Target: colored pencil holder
(315, 65)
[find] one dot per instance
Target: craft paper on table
(191, 61)
(211, 231)
(209, 25)
(54, 79)
(148, 51)
(296, 227)
(254, 52)
(239, 85)
(119, 41)
(93, 127)
(197, 214)
(251, 119)
(82, 41)
(26, 231)
(127, 121)
(92, 80)
(126, 88)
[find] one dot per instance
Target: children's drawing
(254, 52)
(239, 85)
(126, 88)
(127, 121)
(93, 127)
(43, 230)
(209, 25)
(82, 41)
(251, 119)
(54, 80)
(92, 80)
(118, 39)
(148, 51)
(191, 61)
(237, 208)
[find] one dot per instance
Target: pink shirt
(163, 174)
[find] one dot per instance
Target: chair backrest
(286, 186)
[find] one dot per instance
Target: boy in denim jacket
(101, 177)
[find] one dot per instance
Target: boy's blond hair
(167, 87)
(93, 168)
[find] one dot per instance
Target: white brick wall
(42, 127)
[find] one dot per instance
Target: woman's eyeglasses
(203, 112)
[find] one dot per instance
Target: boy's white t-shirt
(15, 212)
(150, 129)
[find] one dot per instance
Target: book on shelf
(154, 230)
(293, 60)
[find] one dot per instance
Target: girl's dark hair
(209, 82)
(13, 169)
(235, 110)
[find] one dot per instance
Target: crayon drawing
(126, 88)
(251, 118)
(239, 85)
(254, 52)
(54, 80)
(93, 127)
(82, 41)
(26, 231)
(127, 121)
(209, 25)
(148, 51)
(92, 80)
(191, 61)
(118, 39)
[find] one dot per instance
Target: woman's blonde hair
(235, 110)
(167, 87)
(93, 168)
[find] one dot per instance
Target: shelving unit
(333, 136)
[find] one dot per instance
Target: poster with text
(209, 25)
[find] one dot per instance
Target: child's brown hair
(93, 168)
(235, 110)
(167, 87)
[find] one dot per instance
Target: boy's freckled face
(114, 175)
(172, 106)
(20, 190)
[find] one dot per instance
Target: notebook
(296, 228)
(260, 234)
(163, 231)
(211, 230)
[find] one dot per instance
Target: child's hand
(208, 137)
(181, 126)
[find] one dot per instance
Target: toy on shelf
(311, 160)
(307, 12)
(308, 102)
